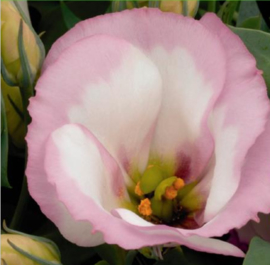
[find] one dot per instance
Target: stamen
(145, 207)
(170, 193)
(179, 184)
(138, 190)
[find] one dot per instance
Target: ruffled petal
(192, 80)
(238, 118)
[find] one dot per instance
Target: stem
(24, 195)
(26, 93)
(21, 206)
(212, 6)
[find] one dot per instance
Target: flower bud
(39, 249)
(10, 24)
(187, 8)
(15, 124)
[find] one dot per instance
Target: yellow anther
(170, 193)
(138, 190)
(150, 166)
(179, 184)
(145, 207)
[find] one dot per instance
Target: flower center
(163, 199)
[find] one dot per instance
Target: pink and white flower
(127, 91)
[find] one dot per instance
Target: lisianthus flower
(150, 128)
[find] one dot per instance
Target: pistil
(160, 196)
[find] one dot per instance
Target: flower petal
(238, 118)
(82, 197)
(252, 195)
(73, 153)
(110, 87)
(192, 80)
(75, 150)
(118, 92)
(161, 234)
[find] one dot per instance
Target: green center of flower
(163, 199)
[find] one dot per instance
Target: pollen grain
(138, 190)
(170, 193)
(145, 207)
(179, 184)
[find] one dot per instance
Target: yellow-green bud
(10, 23)
(151, 179)
(39, 249)
(15, 124)
(187, 8)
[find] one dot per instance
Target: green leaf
(69, 18)
(51, 19)
(252, 23)
(227, 11)
(38, 40)
(4, 146)
(247, 10)
(130, 257)
(102, 262)
(27, 76)
(258, 43)
(258, 252)
(27, 83)
(174, 257)
(118, 6)
(8, 78)
(154, 4)
(113, 254)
